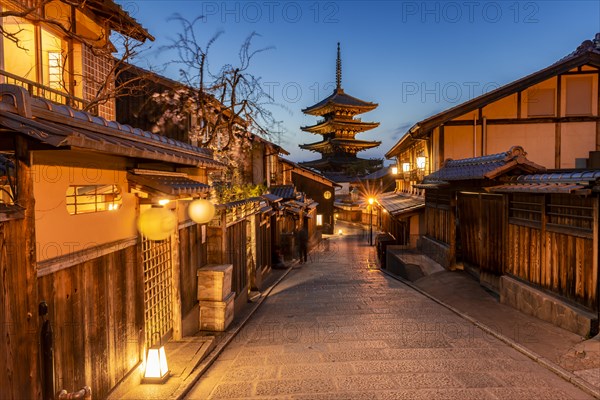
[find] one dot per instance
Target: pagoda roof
(337, 162)
(328, 143)
(335, 124)
(339, 100)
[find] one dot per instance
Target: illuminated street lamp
(371, 201)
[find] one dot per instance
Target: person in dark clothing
(277, 258)
(303, 245)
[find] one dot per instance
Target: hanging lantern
(157, 223)
(201, 211)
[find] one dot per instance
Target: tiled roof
(171, 184)
(560, 181)
(537, 188)
(339, 98)
(485, 167)
(286, 192)
(61, 126)
(559, 176)
(271, 197)
(398, 203)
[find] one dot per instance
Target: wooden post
(595, 261)
(452, 250)
(176, 285)
(557, 129)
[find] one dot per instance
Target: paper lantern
(201, 211)
(157, 223)
(157, 369)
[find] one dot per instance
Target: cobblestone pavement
(337, 328)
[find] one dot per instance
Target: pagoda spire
(338, 68)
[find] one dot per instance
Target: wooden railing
(39, 90)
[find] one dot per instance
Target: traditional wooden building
(76, 185)
(527, 233)
(338, 128)
(61, 50)
(554, 113)
(316, 186)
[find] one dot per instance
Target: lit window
(7, 179)
(579, 95)
(55, 69)
(93, 198)
(540, 102)
(319, 220)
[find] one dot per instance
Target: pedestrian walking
(303, 245)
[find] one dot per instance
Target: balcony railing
(39, 90)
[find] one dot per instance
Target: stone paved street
(339, 329)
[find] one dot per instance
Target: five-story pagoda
(339, 127)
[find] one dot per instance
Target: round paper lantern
(201, 211)
(157, 223)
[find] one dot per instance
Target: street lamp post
(371, 200)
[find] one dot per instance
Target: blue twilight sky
(414, 58)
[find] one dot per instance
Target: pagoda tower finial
(338, 68)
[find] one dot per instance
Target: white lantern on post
(157, 223)
(201, 211)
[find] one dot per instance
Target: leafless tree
(229, 103)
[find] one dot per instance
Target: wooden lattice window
(93, 198)
(525, 209)
(158, 308)
(570, 212)
(438, 199)
(55, 69)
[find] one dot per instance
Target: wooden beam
(536, 120)
(176, 285)
(595, 249)
(441, 146)
(598, 112)
(557, 127)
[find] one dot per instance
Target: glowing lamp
(394, 170)
(371, 200)
(340, 232)
(421, 162)
(157, 223)
(201, 211)
(405, 167)
(163, 202)
(157, 370)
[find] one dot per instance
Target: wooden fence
(192, 255)
(438, 216)
(481, 228)
(551, 244)
(97, 313)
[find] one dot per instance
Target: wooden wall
(192, 255)
(236, 254)
(19, 321)
(439, 217)
(481, 220)
(97, 313)
(551, 250)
